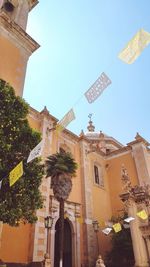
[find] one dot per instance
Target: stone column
(148, 247)
(139, 248)
(52, 245)
(88, 243)
(47, 261)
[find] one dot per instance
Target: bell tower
(16, 46)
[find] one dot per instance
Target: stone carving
(137, 198)
(125, 180)
(47, 261)
(100, 262)
(139, 193)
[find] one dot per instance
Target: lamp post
(96, 230)
(48, 225)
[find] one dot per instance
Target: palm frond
(61, 167)
(62, 162)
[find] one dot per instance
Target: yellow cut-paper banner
(70, 116)
(117, 227)
(135, 46)
(16, 173)
(142, 214)
(59, 128)
(101, 223)
(80, 220)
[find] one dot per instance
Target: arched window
(64, 148)
(98, 175)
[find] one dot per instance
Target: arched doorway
(67, 256)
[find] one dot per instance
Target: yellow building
(96, 189)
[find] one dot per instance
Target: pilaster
(40, 237)
(88, 246)
(140, 157)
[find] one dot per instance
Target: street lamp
(48, 221)
(96, 230)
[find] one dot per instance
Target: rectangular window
(96, 174)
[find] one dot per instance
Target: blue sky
(80, 40)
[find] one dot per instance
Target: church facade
(96, 188)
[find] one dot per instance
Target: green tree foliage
(121, 253)
(20, 201)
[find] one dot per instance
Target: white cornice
(12, 30)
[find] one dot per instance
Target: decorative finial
(137, 136)
(101, 135)
(82, 133)
(90, 116)
(45, 111)
(91, 127)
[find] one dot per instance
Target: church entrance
(67, 256)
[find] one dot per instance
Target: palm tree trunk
(61, 231)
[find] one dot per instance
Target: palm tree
(61, 167)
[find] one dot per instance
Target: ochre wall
(101, 202)
(100, 194)
(75, 195)
(15, 243)
(114, 178)
(12, 64)
(35, 124)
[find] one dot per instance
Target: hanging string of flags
(107, 230)
(129, 219)
(135, 47)
(97, 88)
(91, 95)
(117, 227)
(128, 55)
(69, 116)
(142, 214)
(36, 152)
(108, 226)
(17, 171)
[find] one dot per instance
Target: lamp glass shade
(95, 226)
(48, 222)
